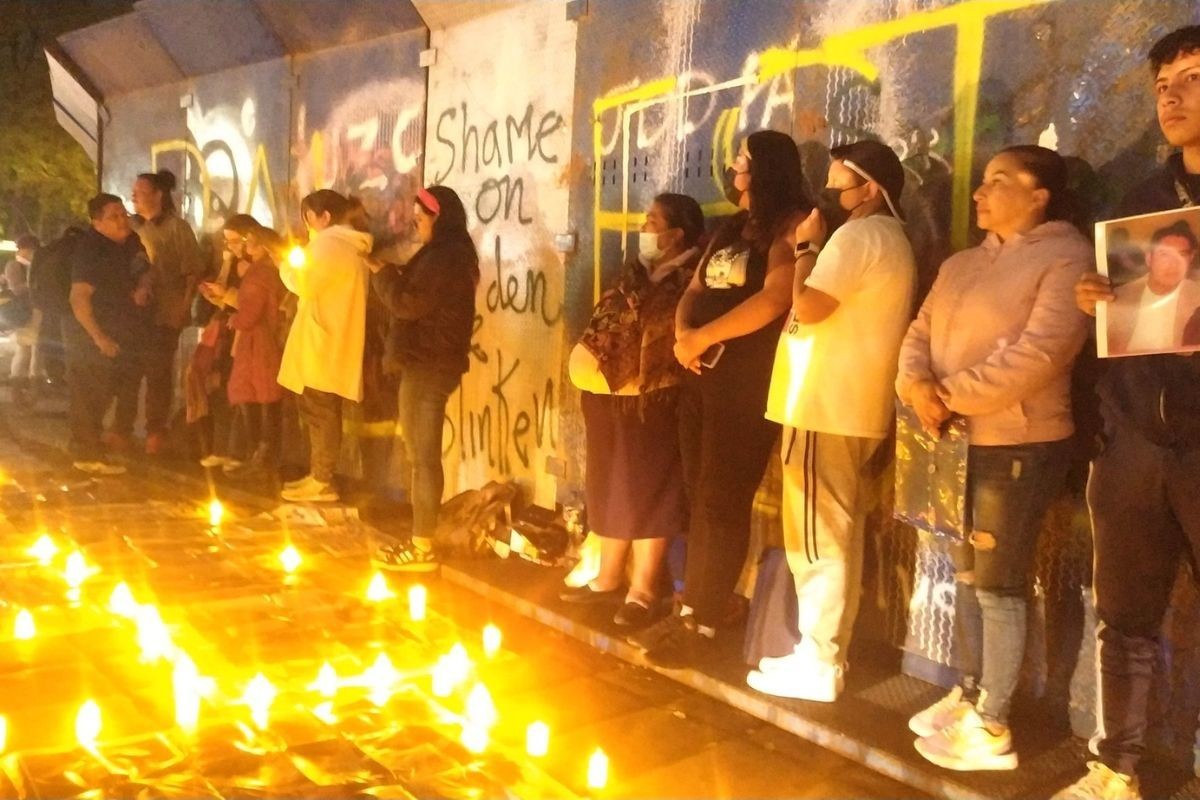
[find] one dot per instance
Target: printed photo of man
(1151, 313)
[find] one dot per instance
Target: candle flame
(121, 601)
(186, 681)
(327, 680)
(153, 638)
(216, 512)
(480, 708)
(377, 589)
(416, 602)
(87, 725)
(443, 678)
(597, 771)
(23, 628)
(77, 570)
(290, 559)
(3, 733)
(474, 738)
(537, 739)
(296, 257)
(260, 694)
(324, 712)
(44, 550)
(491, 640)
(380, 678)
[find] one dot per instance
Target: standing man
(831, 388)
(1142, 491)
(110, 280)
(177, 267)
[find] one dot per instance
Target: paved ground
(228, 604)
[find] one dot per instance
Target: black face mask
(830, 203)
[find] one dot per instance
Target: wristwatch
(805, 248)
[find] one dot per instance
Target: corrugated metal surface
(205, 36)
(121, 55)
(307, 25)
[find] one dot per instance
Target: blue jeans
(1009, 489)
(423, 395)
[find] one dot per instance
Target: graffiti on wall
(661, 112)
(505, 148)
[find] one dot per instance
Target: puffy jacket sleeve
(1052, 337)
(414, 293)
(915, 356)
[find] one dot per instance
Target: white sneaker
(792, 660)
(99, 468)
(296, 484)
(817, 681)
(939, 715)
(968, 746)
(1101, 783)
(311, 492)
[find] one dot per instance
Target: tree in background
(45, 176)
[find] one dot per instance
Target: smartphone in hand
(712, 355)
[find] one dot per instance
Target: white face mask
(648, 249)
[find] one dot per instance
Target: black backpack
(50, 274)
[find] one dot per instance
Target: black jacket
(432, 304)
(1157, 395)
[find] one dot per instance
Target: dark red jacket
(256, 350)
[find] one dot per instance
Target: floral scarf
(632, 330)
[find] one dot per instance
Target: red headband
(426, 198)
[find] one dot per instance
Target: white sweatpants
(826, 498)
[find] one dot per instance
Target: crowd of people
(792, 326)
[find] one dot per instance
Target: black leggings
(261, 427)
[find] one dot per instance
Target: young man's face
(1177, 89)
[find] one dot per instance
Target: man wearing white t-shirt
(831, 389)
(1151, 313)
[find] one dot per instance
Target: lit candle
(458, 663)
(87, 725)
(326, 683)
(443, 678)
(77, 570)
(290, 559)
(259, 695)
(380, 677)
(416, 602)
(23, 628)
(3, 733)
(324, 712)
(185, 679)
(44, 550)
(121, 601)
(480, 708)
(377, 589)
(153, 638)
(474, 737)
(537, 739)
(216, 513)
(491, 640)
(296, 257)
(597, 770)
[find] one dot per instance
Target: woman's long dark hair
(684, 213)
(777, 192)
(451, 222)
(326, 201)
(164, 183)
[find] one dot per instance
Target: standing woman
(625, 367)
(177, 268)
(737, 298)
(322, 360)
(254, 390)
(994, 342)
(432, 303)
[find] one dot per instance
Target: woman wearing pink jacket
(994, 342)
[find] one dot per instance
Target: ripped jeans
(1009, 489)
